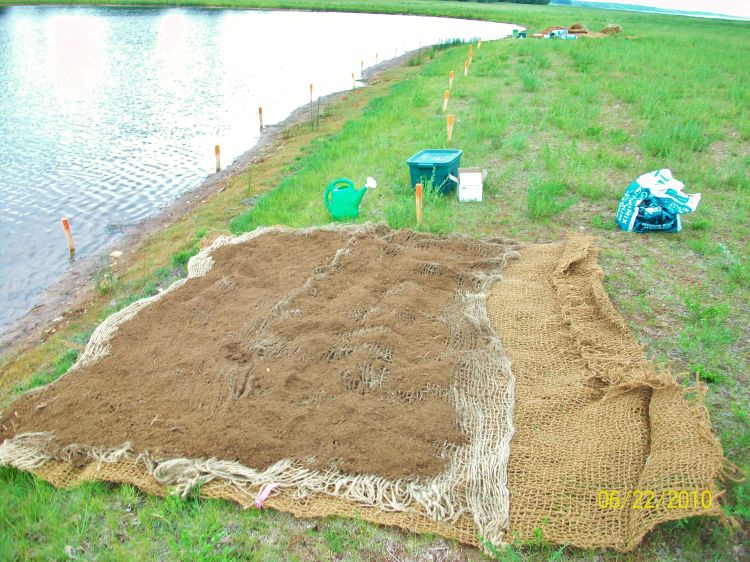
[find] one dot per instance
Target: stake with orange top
(450, 79)
(451, 122)
(466, 68)
(217, 150)
(418, 193)
(446, 95)
(471, 53)
(68, 236)
(260, 117)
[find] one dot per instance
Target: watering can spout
(360, 193)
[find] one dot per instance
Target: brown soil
(287, 348)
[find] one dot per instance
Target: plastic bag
(655, 201)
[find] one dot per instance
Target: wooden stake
(354, 81)
(466, 68)
(418, 193)
(471, 52)
(376, 58)
(260, 117)
(68, 236)
(451, 122)
(479, 44)
(446, 95)
(312, 124)
(361, 67)
(217, 150)
(450, 79)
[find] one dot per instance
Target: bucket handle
(333, 186)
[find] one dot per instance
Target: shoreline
(71, 293)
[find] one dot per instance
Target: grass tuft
(669, 139)
(49, 374)
(529, 77)
(543, 199)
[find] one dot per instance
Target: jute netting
(362, 370)
(591, 413)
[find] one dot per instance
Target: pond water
(108, 114)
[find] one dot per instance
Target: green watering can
(342, 198)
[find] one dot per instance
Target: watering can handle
(332, 187)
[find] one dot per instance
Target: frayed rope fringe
(27, 451)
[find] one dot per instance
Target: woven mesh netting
(408, 327)
(591, 413)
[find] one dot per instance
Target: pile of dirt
(580, 30)
(331, 348)
(550, 29)
(611, 29)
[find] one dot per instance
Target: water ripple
(108, 114)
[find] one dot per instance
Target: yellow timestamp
(652, 499)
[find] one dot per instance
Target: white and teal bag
(655, 201)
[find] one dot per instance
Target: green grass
(706, 337)
(50, 374)
(120, 523)
(562, 128)
(668, 138)
(529, 77)
(544, 199)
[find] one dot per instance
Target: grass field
(562, 128)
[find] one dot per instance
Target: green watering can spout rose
(342, 198)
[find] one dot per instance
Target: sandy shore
(72, 292)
